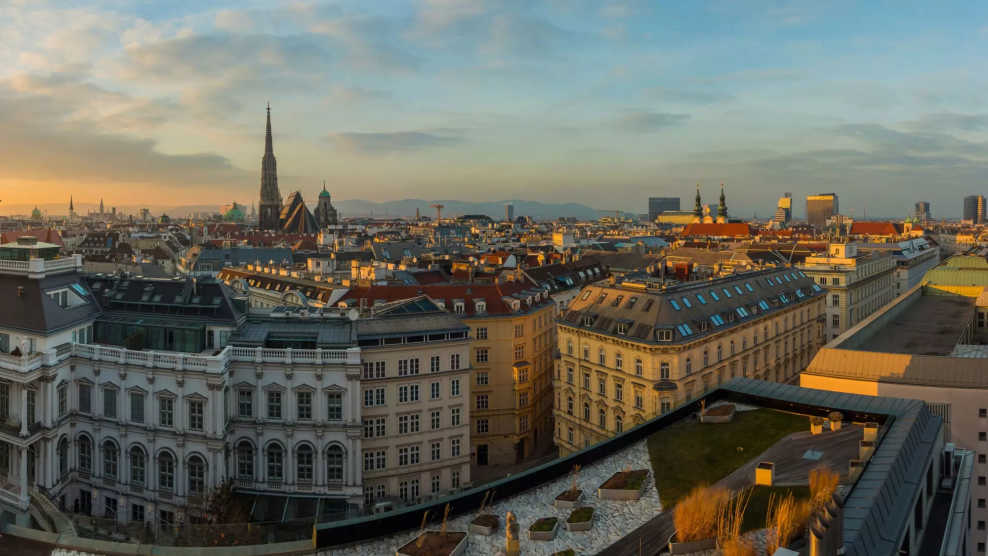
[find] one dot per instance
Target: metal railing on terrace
(40, 267)
(177, 360)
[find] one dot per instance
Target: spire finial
(268, 147)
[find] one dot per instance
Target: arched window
(569, 405)
(110, 460)
(586, 412)
(166, 471)
(197, 475)
(245, 461)
(602, 419)
(85, 454)
(276, 463)
(618, 423)
(137, 466)
(334, 464)
(303, 464)
(63, 457)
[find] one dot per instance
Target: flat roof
(932, 325)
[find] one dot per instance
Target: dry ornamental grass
(695, 516)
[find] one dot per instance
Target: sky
(597, 102)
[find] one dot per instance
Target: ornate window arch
(335, 458)
(275, 458)
(85, 454)
(63, 457)
(111, 459)
(245, 460)
(197, 474)
(166, 471)
(138, 465)
(304, 467)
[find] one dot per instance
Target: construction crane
(439, 211)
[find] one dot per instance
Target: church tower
(722, 207)
(325, 213)
(698, 208)
(270, 204)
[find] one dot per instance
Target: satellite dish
(353, 314)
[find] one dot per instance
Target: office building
(819, 208)
(783, 211)
(974, 209)
(858, 283)
(631, 351)
(658, 205)
(922, 212)
(509, 212)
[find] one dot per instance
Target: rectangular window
(434, 364)
(482, 426)
(519, 352)
(381, 426)
(601, 387)
(434, 390)
(481, 333)
(166, 412)
(482, 379)
(454, 417)
(245, 403)
(618, 392)
(85, 399)
(403, 424)
(519, 331)
(481, 401)
(434, 419)
(436, 449)
(454, 387)
(523, 399)
(454, 361)
(482, 355)
(274, 404)
(454, 447)
(435, 483)
(196, 415)
(303, 405)
(334, 406)
(63, 400)
(109, 403)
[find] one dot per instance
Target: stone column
(24, 410)
(22, 454)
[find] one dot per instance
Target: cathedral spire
(722, 208)
(268, 148)
(698, 209)
(71, 206)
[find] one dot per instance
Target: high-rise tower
(270, 204)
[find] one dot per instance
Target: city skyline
(550, 103)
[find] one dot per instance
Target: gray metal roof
(326, 333)
(879, 506)
(26, 306)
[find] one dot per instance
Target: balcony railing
(179, 361)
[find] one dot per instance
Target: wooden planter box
(580, 525)
(816, 425)
(865, 449)
(624, 485)
(870, 433)
(484, 524)
(836, 419)
(567, 501)
(676, 548)
(720, 414)
(544, 535)
(454, 544)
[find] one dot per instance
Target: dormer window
(480, 306)
(588, 320)
(459, 307)
(622, 328)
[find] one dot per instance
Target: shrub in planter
(695, 518)
(580, 519)
(484, 524)
(544, 529)
(624, 485)
(568, 498)
(436, 543)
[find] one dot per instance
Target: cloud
(393, 142)
(51, 133)
(690, 96)
(647, 122)
(948, 121)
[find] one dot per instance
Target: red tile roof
(874, 229)
(46, 235)
(738, 229)
(492, 294)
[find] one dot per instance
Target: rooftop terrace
(932, 325)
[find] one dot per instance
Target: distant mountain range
(495, 209)
(355, 207)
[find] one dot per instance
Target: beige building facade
(858, 283)
(631, 351)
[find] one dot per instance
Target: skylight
(674, 304)
(713, 294)
(701, 299)
(686, 302)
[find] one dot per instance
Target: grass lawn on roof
(689, 453)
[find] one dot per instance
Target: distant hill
(494, 209)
